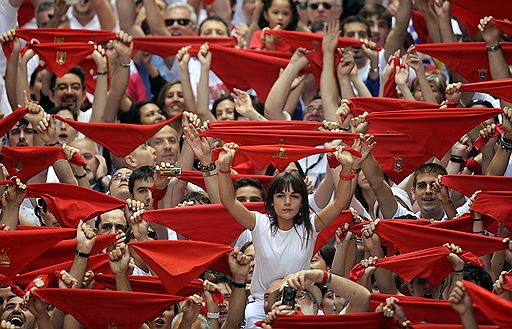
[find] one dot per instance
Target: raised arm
(11, 201)
(203, 91)
(11, 70)
(329, 91)
(99, 103)
(497, 62)
(501, 158)
(396, 37)
(105, 14)
(155, 18)
(126, 13)
(343, 71)
(281, 88)
(241, 214)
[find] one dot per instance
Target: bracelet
(349, 177)
(374, 69)
(456, 159)
(325, 279)
(82, 254)
(494, 48)
(238, 284)
(124, 64)
(209, 167)
(504, 143)
(225, 172)
(476, 219)
(212, 315)
(209, 173)
(478, 232)
(102, 73)
(459, 271)
(81, 176)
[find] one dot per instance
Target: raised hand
(490, 33)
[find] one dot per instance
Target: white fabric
(8, 20)
(243, 238)
(279, 254)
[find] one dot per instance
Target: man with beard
(22, 134)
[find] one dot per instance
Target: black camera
(288, 296)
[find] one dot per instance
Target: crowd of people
(179, 164)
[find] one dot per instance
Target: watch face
(39, 283)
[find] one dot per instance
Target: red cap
(431, 264)
(19, 248)
(445, 126)
(113, 135)
(170, 45)
(149, 284)
(100, 309)
(278, 155)
(474, 65)
(218, 227)
(178, 262)
(19, 160)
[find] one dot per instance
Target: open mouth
(63, 136)
(17, 320)
(428, 295)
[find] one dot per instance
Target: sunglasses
(181, 21)
(315, 5)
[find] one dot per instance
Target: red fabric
(14, 288)
(19, 248)
(507, 281)
(504, 26)
(65, 251)
(170, 45)
(409, 237)
(480, 141)
(358, 105)
(113, 135)
(19, 160)
(398, 155)
(11, 120)
(89, 67)
(196, 178)
(245, 69)
(278, 136)
(357, 320)
(495, 308)
(178, 262)
(26, 12)
(473, 166)
(469, 184)
(469, 12)
(419, 309)
(114, 309)
(445, 326)
(431, 264)
(446, 126)
(157, 195)
(97, 264)
(278, 155)
(61, 57)
(257, 43)
(58, 35)
(501, 88)
(495, 204)
(149, 284)
(218, 227)
(390, 85)
(274, 124)
(469, 59)
(420, 26)
(327, 233)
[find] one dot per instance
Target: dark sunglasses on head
(315, 5)
(181, 21)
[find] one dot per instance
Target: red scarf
(327, 233)
(501, 88)
(409, 237)
(97, 264)
(480, 141)
(495, 204)
(358, 105)
(196, 178)
(64, 251)
(469, 184)
(178, 262)
(170, 45)
(19, 248)
(62, 57)
(246, 137)
(14, 288)
(507, 285)
(446, 126)
(113, 310)
(471, 11)
(473, 65)
(113, 135)
(390, 85)
(19, 160)
(149, 284)
(217, 227)
(504, 26)
(431, 264)
(357, 320)
(12, 119)
(495, 308)
(274, 124)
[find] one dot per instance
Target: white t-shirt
(279, 254)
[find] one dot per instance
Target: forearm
(406, 92)
(10, 217)
(350, 256)
(22, 81)
(203, 95)
(340, 202)
(188, 95)
(499, 163)
(449, 209)
(43, 321)
(105, 14)
(11, 73)
(64, 172)
(79, 268)
(279, 93)
(468, 320)
(99, 103)
(237, 304)
(328, 88)
(345, 86)
(498, 64)
(397, 36)
(222, 8)
(361, 87)
(426, 90)
(154, 18)
(357, 295)
(445, 28)
(292, 100)
(122, 282)
(375, 178)
(323, 193)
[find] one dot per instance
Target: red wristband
(349, 177)
(325, 279)
(225, 172)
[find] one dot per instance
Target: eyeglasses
(120, 176)
(311, 108)
(181, 21)
(315, 5)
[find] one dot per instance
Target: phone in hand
(170, 172)
(288, 296)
